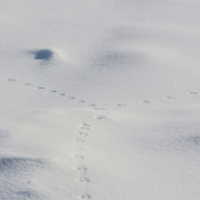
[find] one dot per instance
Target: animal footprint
(79, 157)
(83, 134)
(99, 117)
(84, 180)
(121, 105)
(10, 80)
(193, 93)
(27, 84)
(72, 97)
(91, 105)
(146, 101)
(53, 91)
(81, 168)
(170, 97)
(41, 88)
(85, 126)
(79, 140)
(86, 196)
(62, 94)
(99, 108)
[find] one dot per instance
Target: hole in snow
(44, 54)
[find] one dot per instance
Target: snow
(99, 99)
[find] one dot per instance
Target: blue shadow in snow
(44, 54)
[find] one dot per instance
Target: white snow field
(100, 99)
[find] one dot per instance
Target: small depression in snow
(43, 54)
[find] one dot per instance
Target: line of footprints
(82, 101)
(84, 132)
(79, 155)
(80, 140)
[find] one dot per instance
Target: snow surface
(100, 99)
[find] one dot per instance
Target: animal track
(99, 117)
(86, 196)
(121, 105)
(82, 101)
(91, 105)
(85, 126)
(10, 80)
(79, 156)
(41, 88)
(81, 168)
(83, 134)
(99, 108)
(84, 179)
(80, 140)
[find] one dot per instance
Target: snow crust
(100, 99)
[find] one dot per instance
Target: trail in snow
(99, 100)
(57, 93)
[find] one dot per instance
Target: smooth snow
(100, 100)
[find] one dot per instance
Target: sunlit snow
(100, 99)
